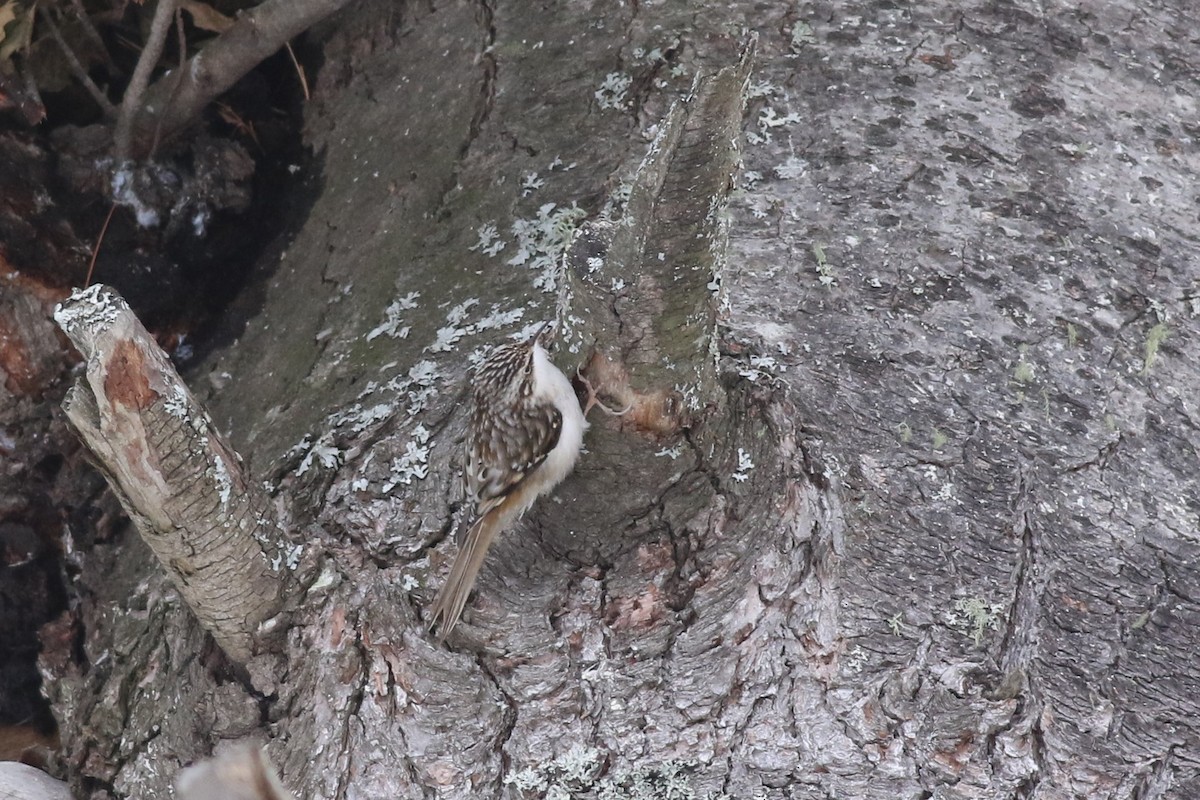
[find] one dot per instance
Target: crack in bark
(738, 737)
(1025, 607)
(346, 750)
(605, 599)
(1099, 461)
(140, 747)
(1016, 646)
(483, 107)
(511, 714)
(1037, 750)
(1157, 782)
(491, 70)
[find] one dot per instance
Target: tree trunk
(906, 502)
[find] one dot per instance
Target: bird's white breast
(552, 385)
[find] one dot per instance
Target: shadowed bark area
(925, 522)
(176, 100)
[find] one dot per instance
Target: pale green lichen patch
(825, 272)
(1154, 340)
(540, 241)
(393, 318)
(413, 463)
(802, 34)
(745, 464)
(1023, 372)
(611, 94)
(93, 307)
(575, 775)
(323, 453)
(975, 617)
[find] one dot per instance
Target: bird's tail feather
(448, 606)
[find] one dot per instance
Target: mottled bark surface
(934, 535)
(1003, 377)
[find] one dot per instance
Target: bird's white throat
(553, 386)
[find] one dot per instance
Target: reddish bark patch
(125, 380)
(337, 627)
(22, 376)
(45, 292)
(655, 557)
(636, 612)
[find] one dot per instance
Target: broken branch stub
(182, 485)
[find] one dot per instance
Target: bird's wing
(505, 448)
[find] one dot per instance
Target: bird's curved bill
(544, 335)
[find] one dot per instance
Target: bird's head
(507, 373)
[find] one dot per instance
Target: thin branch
(77, 68)
(299, 71)
(256, 35)
(182, 40)
(31, 104)
(131, 105)
(96, 250)
(93, 34)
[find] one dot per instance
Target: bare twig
(131, 104)
(96, 250)
(299, 71)
(31, 99)
(15, 93)
(182, 40)
(256, 34)
(77, 69)
(92, 33)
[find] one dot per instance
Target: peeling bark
(648, 280)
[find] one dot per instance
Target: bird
(525, 434)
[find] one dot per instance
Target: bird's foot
(593, 400)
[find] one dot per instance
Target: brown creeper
(526, 430)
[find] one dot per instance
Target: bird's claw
(593, 399)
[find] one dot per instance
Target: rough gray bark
(936, 535)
